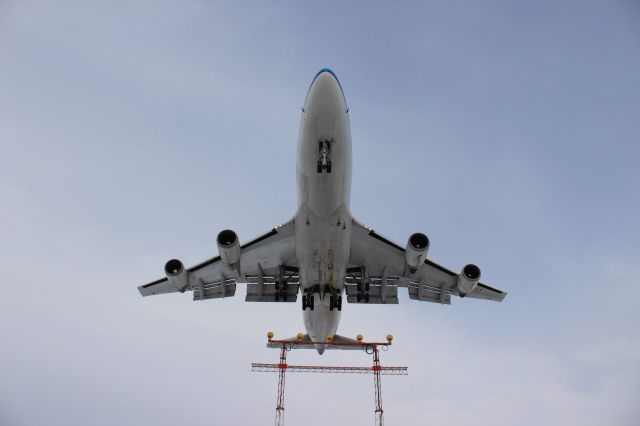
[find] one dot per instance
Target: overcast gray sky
(132, 132)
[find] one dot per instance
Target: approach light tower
(303, 342)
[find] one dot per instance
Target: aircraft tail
(321, 347)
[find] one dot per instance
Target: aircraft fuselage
(323, 219)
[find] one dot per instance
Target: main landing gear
(335, 302)
(307, 302)
(308, 298)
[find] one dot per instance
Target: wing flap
(381, 260)
(372, 294)
(214, 290)
(212, 279)
(269, 292)
(426, 293)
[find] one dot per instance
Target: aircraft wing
(267, 264)
(377, 268)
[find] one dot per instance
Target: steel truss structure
(274, 368)
(371, 348)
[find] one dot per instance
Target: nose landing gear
(324, 151)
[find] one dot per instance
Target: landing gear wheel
(366, 287)
(332, 303)
(339, 303)
(311, 302)
(304, 303)
(328, 166)
(319, 166)
(358, 298)
(366, 298)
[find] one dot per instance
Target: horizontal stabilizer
(338, 343)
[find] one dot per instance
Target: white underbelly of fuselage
(323, 219)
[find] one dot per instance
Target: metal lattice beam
(275, 368)
(371, 348)
(281, 380)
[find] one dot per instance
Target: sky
(133, 132)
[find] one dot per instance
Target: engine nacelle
(176, 274)
(416, 251)
(468, 279)
(229, 247)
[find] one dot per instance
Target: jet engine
(176, 274)
(468, 279)
(416, 251)
(229, 247)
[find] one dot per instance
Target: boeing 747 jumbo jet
(323, 253)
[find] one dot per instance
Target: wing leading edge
(267, 264)
(378, 268)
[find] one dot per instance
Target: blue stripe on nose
(323, 70)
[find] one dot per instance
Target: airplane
(323, 253)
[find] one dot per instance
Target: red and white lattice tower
(371, 348)
(282, 369)
(378, 386)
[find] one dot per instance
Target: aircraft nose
(325, 76)
(325, 92)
